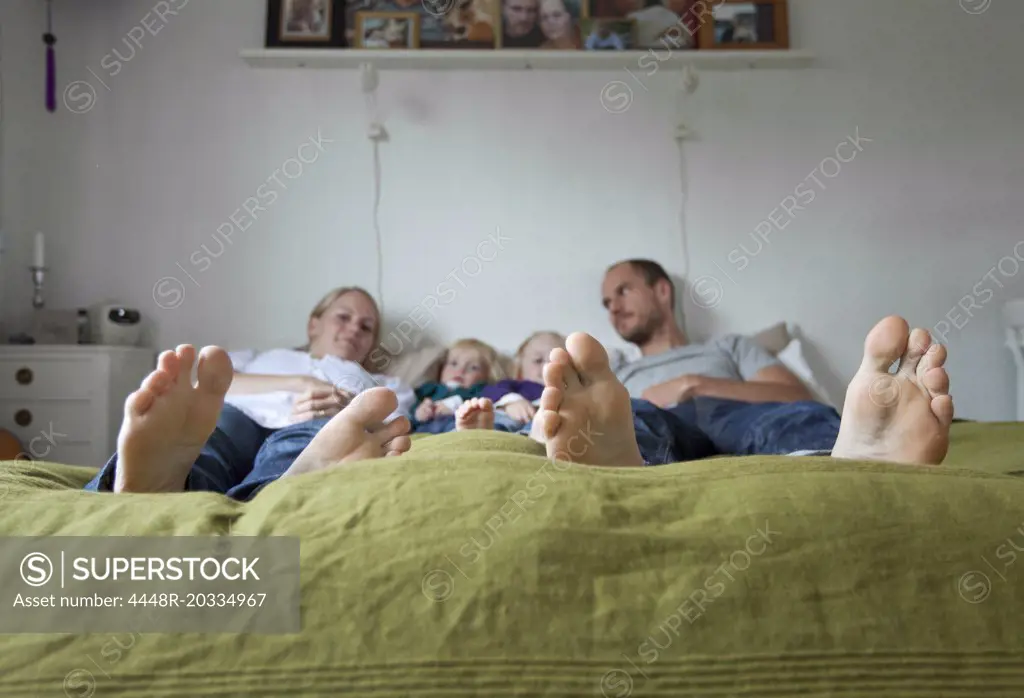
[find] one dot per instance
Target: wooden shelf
(518, 59)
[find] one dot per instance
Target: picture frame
(660, 24)
(737, 25)
(305, 24)
(547, 25)
(387, 30)
(467, 24)
(608, 33)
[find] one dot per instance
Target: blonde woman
(558, 26)
(253, 417)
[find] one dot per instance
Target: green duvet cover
(473, 566)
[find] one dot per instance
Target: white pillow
(793, 359)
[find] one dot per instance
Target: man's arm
(770, 384)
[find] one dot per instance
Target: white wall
(22, 141)
(186, 132)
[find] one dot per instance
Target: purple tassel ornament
(51, 60)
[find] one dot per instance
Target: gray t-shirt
(733, 356)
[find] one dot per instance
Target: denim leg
(439, 425)
(502, 422)
(277, 454)
(664, 438)
(223, 462)
(765, 428)
(661, 436)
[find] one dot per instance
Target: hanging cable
(376, 134)
(688, 83)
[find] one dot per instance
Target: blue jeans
(762, 428)
(445, 424)
(239, 458)
(705, 427)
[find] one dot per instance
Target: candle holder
(38, 277)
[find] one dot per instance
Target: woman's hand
(425, 412)
(520, 410)
(319, 399)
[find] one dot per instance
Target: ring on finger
(321, 413)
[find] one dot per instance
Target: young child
(469, 365)
(515, 401)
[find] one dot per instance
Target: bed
(754, 576)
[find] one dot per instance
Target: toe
(157, 383)
(559, 372)
(484, 404)
(215, 371)
(397, 446)
(547, 423)
(392, 430)
(372, 406)
(934, 358)
(588, 355)
(942, 406)
(168, 363)
(551, 398)
(936, 380)
(186, 359)
(139, 402)
(886, 342)
(917, 346)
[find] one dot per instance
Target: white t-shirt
(273, 410)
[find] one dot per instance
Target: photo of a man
(519, 26)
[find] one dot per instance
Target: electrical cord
(684, 200)
(376, 223)
(688, 83)
(376, 134)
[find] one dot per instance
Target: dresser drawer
(41, 424)
(49, 378)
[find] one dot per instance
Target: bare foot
(585, 415)
(475, 413)
(904, 417)
(356, 433)
(167, 420)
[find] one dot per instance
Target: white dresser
(65, 402)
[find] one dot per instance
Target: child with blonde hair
(469, 366)
(514, 402)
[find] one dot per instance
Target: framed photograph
(442, 23)
(741, 24)
(467, 24)
(550, 25)
(667, 24)
(608, 34)
(671, 24)
(305, 23)
(388, 30)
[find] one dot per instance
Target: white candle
(39, 255)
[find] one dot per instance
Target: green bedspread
(473, 566)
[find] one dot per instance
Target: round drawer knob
(22, 418)
(23, 376)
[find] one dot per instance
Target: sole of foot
(168, 420)
(585, 414)
(475, 413)
(902, 417)
(356, 433)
